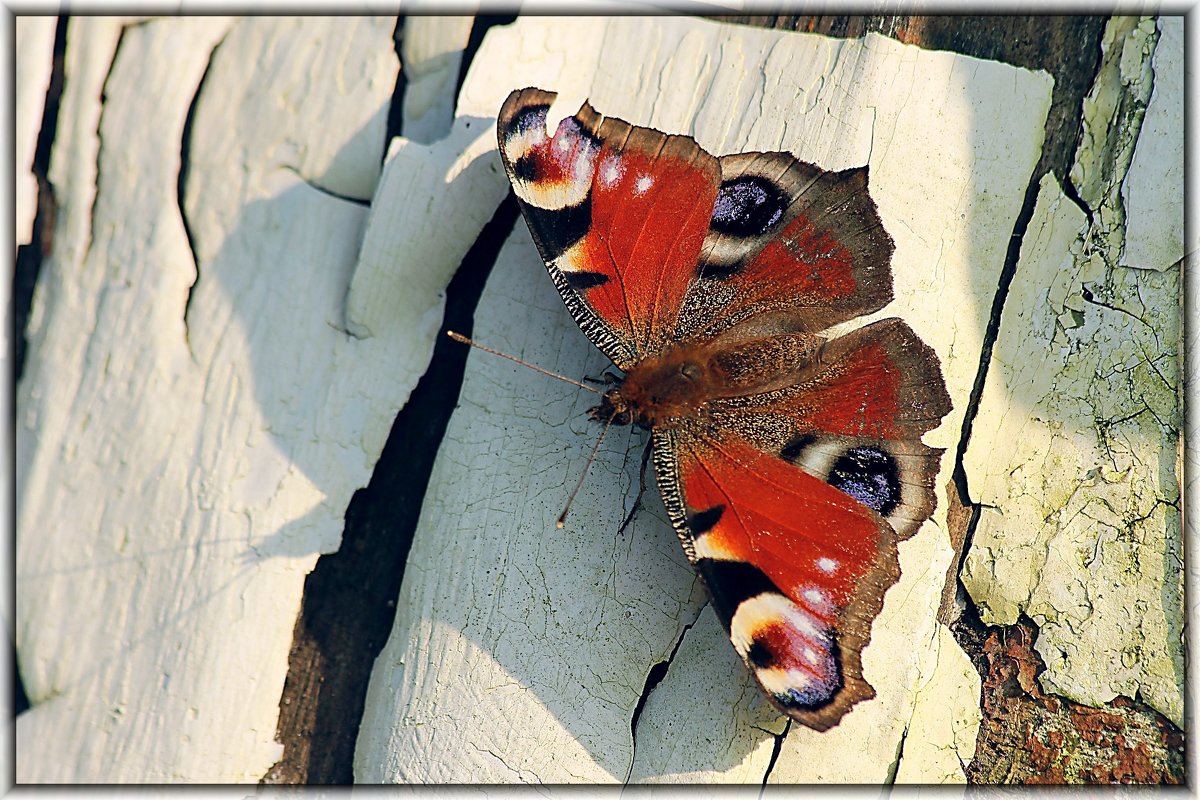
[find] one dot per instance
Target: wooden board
(1078, 471)
(239, 299)
(185, 453)
(520, 652)
(34, 58)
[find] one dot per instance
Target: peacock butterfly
(790, 464)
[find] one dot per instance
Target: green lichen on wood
(1076, 447)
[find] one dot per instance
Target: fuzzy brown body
(665, 390)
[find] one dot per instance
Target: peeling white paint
(1153, 189)
(431, 52)
(178, 479)
(34, 58)
(1076, 446)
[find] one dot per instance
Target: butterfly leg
(637, 503)
(609, 378)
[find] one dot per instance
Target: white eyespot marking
(643, 183)
(827, 564)
(611, 171)
(779, 681)
(815, 596)
(811, 656)
(709, 547)
(769, 609)
(573, 152)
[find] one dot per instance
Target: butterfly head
(612, 409)
(659, 391)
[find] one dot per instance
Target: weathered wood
(432, 54)
(1080, 529)
(500, 667)
(186, 452)
(431, 202)
(1135, 743)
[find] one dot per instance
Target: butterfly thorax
(660, 391)
(664, 390)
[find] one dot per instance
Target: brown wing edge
(837, 202)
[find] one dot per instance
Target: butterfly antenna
(562, 518)
(458, 337)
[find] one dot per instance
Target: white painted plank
(176, 483)
(431, 52)
(1155, 232)
(940, 735)
(34, 56)
(519, 651)
(433, 201)
(1076, 459)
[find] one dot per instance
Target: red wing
(796, 569)
(619, 214)
(791, 247)
(856, 421)
(790, 504)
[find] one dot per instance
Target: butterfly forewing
(619, 214)
(790, 466)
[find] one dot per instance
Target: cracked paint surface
(1075, 451)
(34, 38)
(170, 501)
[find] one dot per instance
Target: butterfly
(790, 464)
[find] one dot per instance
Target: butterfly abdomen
(664, 390)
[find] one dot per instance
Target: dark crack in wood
(776, 749)
(185, 147)
(395, 115)
(349, 601)
(27, 268)
(653, 678)
(894, 767)
(31, 254)
(350, 597)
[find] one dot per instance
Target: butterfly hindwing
(792, 516)
(856, 421)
